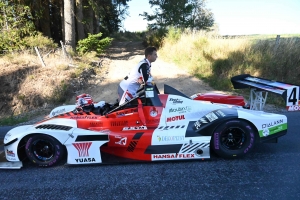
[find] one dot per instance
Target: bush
(173, 35)
(155, 37)
(40, 41)
(93, 43)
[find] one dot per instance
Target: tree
(79, 20)
(179, 14)
(56, 18)
(14, 25)
(202, 18)
(69, 24)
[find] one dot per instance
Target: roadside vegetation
(216, 59)
(28, 86)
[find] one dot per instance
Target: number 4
(293, 96)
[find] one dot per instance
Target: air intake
(53, 127)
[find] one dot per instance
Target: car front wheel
(44, 150)
(233, 139)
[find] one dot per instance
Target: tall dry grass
(216, 59)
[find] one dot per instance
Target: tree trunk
(35, 7)
(90, 18)
(62, 17)
(45, 22)
(96, 23)
(69, 24)
(56, 20)
(79, 17)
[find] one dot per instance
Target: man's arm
(144, 71)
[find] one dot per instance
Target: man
(139, 74)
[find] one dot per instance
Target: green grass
(216, 59)
(12, 120)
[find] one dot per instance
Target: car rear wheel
(233, 139)
(44, 150)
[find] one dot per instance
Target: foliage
(93, 43)
(15, 25)
(155, 37)
(173, 35)
(216, 59)
(109, 14)
(60, 93)
(180, 14)
(127, 36)
(12, 120)
(40, 41)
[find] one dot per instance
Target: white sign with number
(292, 98)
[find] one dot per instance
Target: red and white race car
(150, 127)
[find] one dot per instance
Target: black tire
(233, 139)
(44, 150)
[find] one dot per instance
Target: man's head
(151, 54)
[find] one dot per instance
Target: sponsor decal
(200, 122)
(176, 101)
(85, 160)
(272, 130)
(271, 124)
(220, 113)
(149, 92)
(10, 153)
(216, 140)
(211, 117)
(153, 112)
(84, 117)
(57, 112)
(122, 140)
(96, 123)
(107, 131)
(265, 132)
(180, 109)
(123, 113)
(173, 156)
(169, 138)
(135, 128)
(176, 118)
(195, 95)
(293, 108)
(152, 121)
(83, 148)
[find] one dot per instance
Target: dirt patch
(125, 55)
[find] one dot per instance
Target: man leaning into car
(140, 74)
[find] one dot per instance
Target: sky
(236, 17)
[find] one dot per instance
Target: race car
(150, 127)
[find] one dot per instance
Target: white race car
(150, 127)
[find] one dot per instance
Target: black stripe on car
(134, 141)
(163, 149)
(82, 138)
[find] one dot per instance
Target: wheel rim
(43, 150)
(233, 138)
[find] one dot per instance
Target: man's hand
(140, 81)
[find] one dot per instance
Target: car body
(150, 127)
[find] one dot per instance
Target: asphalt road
(270, 171)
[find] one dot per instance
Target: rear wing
(260, 88)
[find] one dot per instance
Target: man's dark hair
(149, 51)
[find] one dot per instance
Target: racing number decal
(292, 96)
(292, 99)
